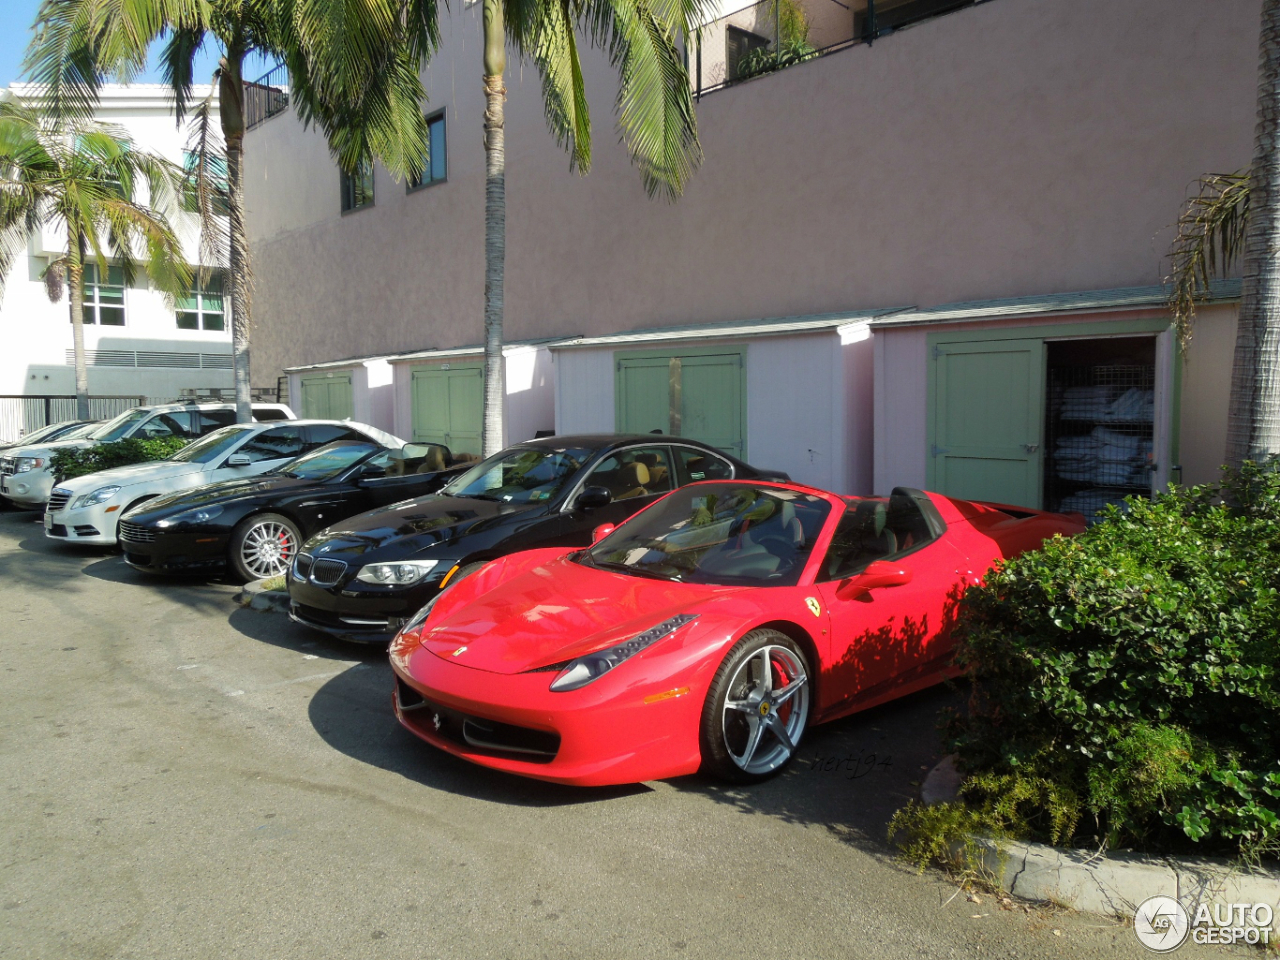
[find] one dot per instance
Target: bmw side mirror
(592, 497)
(879, 573)
(602, 531)
(238, 460)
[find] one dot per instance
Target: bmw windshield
(732, 534)
(520, 475)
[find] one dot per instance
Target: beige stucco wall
(1016, 147)
(1206, 386)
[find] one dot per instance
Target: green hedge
(69, 464)
(1129, 674)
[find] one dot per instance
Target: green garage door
(448, 406)
(696, 395)
(327, 397)
(987, 420)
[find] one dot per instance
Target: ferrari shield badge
(814, 607)
(461, 650)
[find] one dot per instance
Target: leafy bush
(68, 464)
(1134, 667)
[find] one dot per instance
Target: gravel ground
(188, 779)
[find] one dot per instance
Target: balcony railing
(266, 96)
(770, 35)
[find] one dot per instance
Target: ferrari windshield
(520, 475)
(209, 448)
(328, 462)
(723, 534)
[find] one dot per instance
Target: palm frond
(544, 31)
(1209, 241)
(206, 187)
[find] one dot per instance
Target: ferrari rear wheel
(757, 709)
(264, 545)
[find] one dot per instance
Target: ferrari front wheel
(757, 708)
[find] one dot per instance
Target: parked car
(64, 430)
(87, 509)
(26, 479)
(709, 631)
(254, 526)
(362, 578)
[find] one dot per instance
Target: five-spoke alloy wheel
(264, 545)
(757, 708)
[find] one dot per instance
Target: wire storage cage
(1100, 431)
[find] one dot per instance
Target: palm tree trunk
(495, 221)
(1253, 420)
(75, 280)
(231, 111)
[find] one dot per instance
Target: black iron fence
(266, 96)
(771, 35)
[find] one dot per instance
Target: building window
(201, 308)
(103, 296)
(739, 46)
(357, 189)
(437, 168)
(216, 171)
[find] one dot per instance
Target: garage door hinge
(939, 451)
(937, 351)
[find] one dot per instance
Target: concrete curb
(255, 597)
(1113, 884)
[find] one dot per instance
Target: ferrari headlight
(406, 571)
(101, 495)
(27, 464)
(198, 515)
(580, 672)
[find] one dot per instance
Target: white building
(136, 345)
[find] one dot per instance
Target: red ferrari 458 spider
(708, 631)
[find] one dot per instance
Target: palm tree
(654, 107)
(82, 178)
(354, 73)
(1236, 217)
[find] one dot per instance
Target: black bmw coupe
(253, 526)
(363, 578)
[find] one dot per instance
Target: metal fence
(266, 96)
(772, 35)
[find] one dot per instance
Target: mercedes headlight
(580, 672)
(198, 515)
(27, 464)
(406, 571)
(101, 495)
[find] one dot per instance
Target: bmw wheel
(757, 708)
(264, 546)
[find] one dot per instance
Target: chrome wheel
(267, 548)
(766, 710)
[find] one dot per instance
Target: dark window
(739, 45)
(322, 433)
(437, 167)
(892, 14)
(103, 295)
(200, 308)
(166, 425)
(275, 444)
(263, 414)
(635, 472)
(357, 188)
(208, 421)
(875, 530)
(698, 465)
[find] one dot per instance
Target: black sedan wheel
(264, 546)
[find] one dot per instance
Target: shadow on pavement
(352, 713)
(279, 631)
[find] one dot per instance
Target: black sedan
(364, 578)
(254, 525)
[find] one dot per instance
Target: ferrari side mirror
(878, 574)
(602, 531)
(593, 497)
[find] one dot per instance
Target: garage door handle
(1031, 447)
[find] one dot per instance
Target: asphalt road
(183, 778)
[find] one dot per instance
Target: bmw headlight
(406, 571)
(101, 495)
(198, 515)
(27, 464)
(580, 672)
